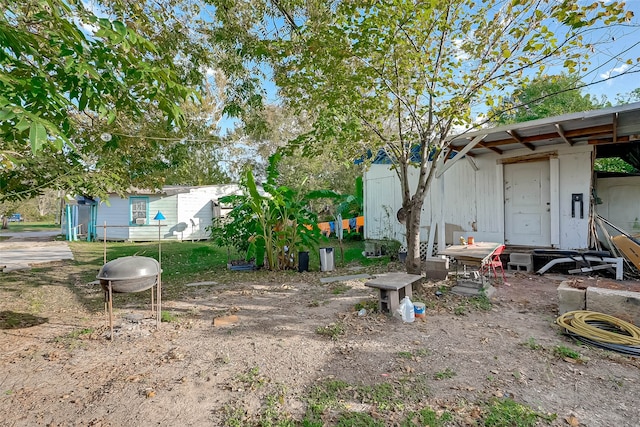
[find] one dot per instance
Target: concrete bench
(393, 287)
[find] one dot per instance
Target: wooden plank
(476, 253)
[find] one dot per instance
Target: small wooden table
(476, 255)
(393, 287)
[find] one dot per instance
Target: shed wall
(473, 199)
(620, 205)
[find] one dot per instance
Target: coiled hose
(602, 330)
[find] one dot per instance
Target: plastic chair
(494, 264)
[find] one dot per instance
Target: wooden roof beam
(494, 149)
(615, 128)
(592, 132)
(443, 167)
(562, 134)
(448, 153)
(515, 136)
(619, 140)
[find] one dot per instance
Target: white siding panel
(195, 210)
(460, 199)
(620, 198)
(575, 178)
(382, 194)
(489, 197)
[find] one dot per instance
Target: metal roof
(615, 125)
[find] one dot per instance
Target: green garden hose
(588, 324)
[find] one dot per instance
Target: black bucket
(303, 261)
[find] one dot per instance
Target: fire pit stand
(127, 275)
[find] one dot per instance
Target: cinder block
(624, 305)
(436, 268)
(520, 260)
(372, 249)
(570, 298)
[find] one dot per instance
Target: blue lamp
(159, 216)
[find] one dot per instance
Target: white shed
(526, 184)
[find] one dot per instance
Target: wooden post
(110, 310)
(104, 240)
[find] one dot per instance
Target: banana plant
(278, 223)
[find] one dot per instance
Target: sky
(608, 65)
(608, 74)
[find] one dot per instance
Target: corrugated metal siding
(460, 199)
(489, 210)
(383, 201)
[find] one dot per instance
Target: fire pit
(129, 274)
(126, 275)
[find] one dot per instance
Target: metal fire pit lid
(129, 267)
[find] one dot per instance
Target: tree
(326, 168)
(65, 69)
(60, 57)
(613, 164)
(628, 98)
(399, 74)
(545, 96)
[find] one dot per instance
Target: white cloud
(616, 70)
(460, 54)
(89, 28)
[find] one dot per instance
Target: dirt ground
(58, 367)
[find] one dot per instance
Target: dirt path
(63, 370)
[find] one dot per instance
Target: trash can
(303, 261)
(326, 259)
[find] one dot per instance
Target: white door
(526, 204)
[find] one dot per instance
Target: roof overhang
(615, 125)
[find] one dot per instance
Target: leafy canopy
(93, 101)
(57, 57)
(402, 73)
(545, 96)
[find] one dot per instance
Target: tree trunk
(412, 226)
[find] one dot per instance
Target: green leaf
(37, 136)
(6, 114)
(120, 28)
(23, 124)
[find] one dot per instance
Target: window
(139, 210)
